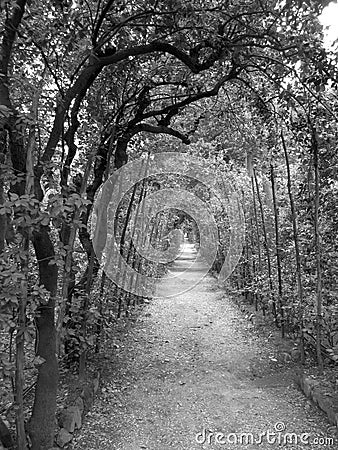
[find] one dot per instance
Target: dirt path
(192, 363)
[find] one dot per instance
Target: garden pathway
(191, 363)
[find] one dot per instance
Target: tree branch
(163, 47)
(100, 20)
(10, 31)
(170, 111)
(157, 129)
(89, 74)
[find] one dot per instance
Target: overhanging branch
(97, 63)
(158, 129)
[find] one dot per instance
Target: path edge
(312, 389)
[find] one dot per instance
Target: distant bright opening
(329, 20)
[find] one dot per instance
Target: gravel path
(192, 366)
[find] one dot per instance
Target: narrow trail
(190, 363)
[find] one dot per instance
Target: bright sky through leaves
(329, 20)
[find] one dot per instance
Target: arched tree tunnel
(163, 166)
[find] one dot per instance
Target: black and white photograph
(168, 224)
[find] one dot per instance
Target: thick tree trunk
(20, 350)
(121, 157)
(42, 422)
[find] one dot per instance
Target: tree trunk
(20, 335)
(254, 271)
(266, 245)
(86, 303)
(67, 272)
(120, 292)
(314, 145)
(99, 323)
(42, 422)
(278, 255)
(139, 216)
(131, 248)
(260, 267)
(20, 351)
(297, 252)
